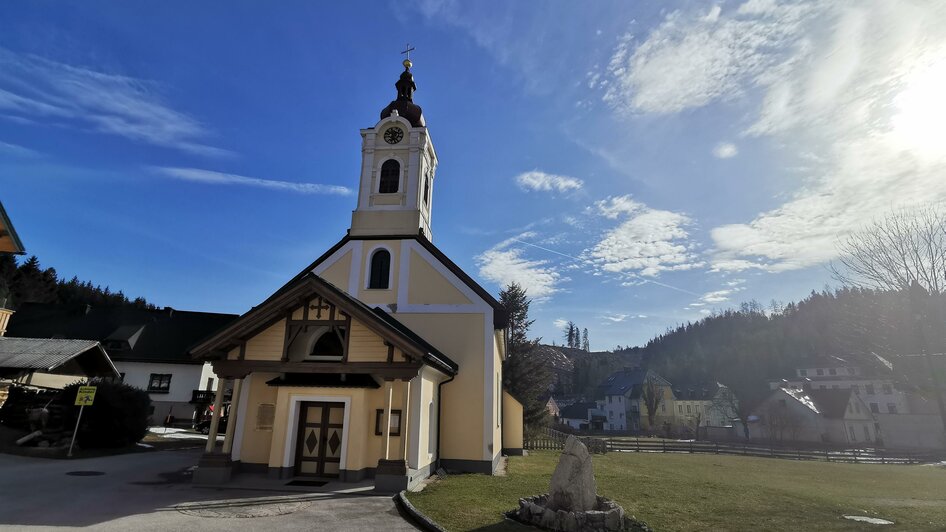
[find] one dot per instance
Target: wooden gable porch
(375, 359)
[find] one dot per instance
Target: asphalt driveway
(152, 491)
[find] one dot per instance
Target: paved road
(151, 491)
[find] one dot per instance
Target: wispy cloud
(615, 318)
(647, 242)
(45, 91)
(505, 263)
(560, 323)
(541, 181)
(219, 178)
(849, 85)
(725, 150)
(697, 57)
(17, 151)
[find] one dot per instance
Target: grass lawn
(708, 492)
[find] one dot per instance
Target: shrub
(117, 418)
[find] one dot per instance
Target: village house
(814, 416)
(869, 376)
(703, 405)
(624, 405)
(149, 349)
(382, 359)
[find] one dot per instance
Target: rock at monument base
(573, 482)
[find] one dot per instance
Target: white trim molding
(288, 458)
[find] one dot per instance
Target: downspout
(439, 410)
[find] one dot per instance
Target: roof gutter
(439, 416)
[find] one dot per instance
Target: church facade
(382, 359)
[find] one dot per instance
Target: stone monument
(572, 503)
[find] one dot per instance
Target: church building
(382, 359)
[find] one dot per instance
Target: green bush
(117, 418)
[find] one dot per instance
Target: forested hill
(29, 282)
(747, 347)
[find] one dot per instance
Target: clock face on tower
(393, 135)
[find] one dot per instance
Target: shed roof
(577, 410)
(52, 355)
(128, 333)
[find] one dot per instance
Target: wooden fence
(554, 440)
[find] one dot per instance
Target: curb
(424, 522)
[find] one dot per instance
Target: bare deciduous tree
(891, 252)
(652, 396)
(727, 407)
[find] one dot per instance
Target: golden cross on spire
(407, 51)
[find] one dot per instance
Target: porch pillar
(389, 393)
(404, 420)
(232, 417)
(213, 467)
(215, 418)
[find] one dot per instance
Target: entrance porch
(360, 427)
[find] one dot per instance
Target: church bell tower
(398, 163)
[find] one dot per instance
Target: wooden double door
(319, 440)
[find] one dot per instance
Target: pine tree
(525, 376)
(570, 334)
(585, 344)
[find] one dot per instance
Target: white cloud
(647, 242)
(560, 323)
(541, 181)
(717, 296)
(218, 178)
(615, 318)
(694, 58)
(504, 264)
(850, 89)
(17, 150)
(40, 90)
(725, 150)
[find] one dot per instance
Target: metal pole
(78, 419)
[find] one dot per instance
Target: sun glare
(919, 124)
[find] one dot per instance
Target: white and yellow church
(382, 359)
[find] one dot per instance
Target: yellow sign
(85, 396)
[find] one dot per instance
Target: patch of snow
(870, 520)
(145, 445)
(803, 398)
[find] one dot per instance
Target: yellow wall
(268, 344)
(427, 437)
(497, 398)
(337, 273)
(385, 222)
(512, 422)
(256, 443)
(461, 337)
(428, 286)
(364, 447)
(365, 346)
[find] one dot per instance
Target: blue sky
(634, 164)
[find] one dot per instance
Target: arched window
(390, 177)
(328, 345)
(380, 269)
